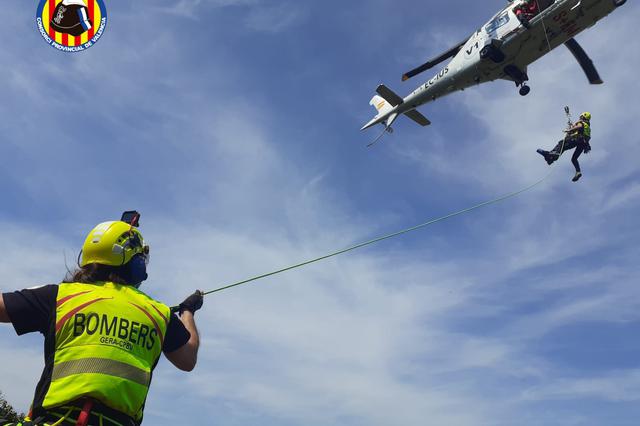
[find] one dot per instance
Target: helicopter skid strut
(519, 77)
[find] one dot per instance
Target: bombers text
(115, 327)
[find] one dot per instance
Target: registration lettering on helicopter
(437, 77)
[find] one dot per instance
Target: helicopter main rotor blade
(433, 62)
(585, 62)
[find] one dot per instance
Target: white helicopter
(500, 49)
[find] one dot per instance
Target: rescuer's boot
(549, 157)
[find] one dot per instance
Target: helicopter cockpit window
(499, 21)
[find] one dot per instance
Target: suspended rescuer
(578, 137)
(102, 335)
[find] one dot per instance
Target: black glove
(587, 148)
(192, 303)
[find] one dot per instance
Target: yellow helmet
(586, 116)
(112, 243)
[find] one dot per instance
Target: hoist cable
(385, 237)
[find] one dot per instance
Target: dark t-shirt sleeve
(31, 309)
(177, 335)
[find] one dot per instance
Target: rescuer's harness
(85, 413)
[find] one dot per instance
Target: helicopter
(500, 49)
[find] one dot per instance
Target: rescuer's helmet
(115, 243)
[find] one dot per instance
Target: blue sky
(233, 126)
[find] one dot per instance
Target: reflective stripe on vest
(108, 340)
(101, 366)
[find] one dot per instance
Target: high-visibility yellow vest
(108, 339)
(586, 130)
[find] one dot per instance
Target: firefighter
(578, 137)
(103, 336)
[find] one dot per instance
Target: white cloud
(193, 8)
(261, 16)
(275, 18)
(18, 369)
(616, 387)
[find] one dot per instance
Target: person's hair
(94, 272)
